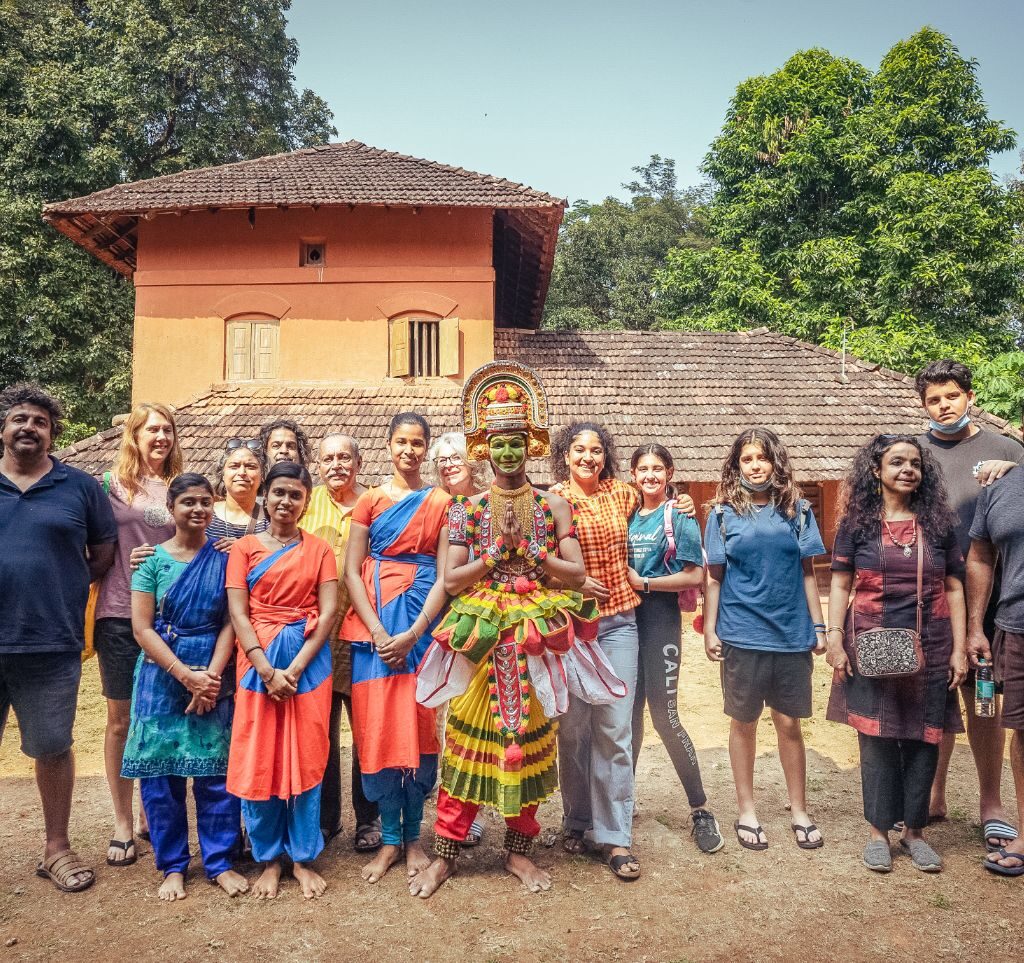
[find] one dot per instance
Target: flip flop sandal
(807, 842)
(364, 841)
(754, 830)
(617, 862)
(993, 867)
(475, 834)
(997, 829)
(144, 835)
(58, 869)
(124, 847)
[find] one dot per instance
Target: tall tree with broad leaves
(857, 208)
(97, 92)
(608, 253)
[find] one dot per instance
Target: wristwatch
(647, 586)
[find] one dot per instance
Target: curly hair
(784, 490)
(860, 500)
(128, 469)
(563, 442)
(29, 393)
(301, 439)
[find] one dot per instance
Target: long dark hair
(409, 418)
(662, 454)
(563, 442)
(860, 502)
(784, 491)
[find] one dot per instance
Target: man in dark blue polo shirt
(58, 534)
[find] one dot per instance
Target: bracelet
(837, 628)
(170, 668)
(252, 648)
(819, 625)
(379, 625)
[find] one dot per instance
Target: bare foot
(416, 858)
(313, 884)
(172, 888)
(234, 884)
(428, 881)
(529, 873)
(386, 857)
(266, 886)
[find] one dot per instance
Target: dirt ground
(782, 904)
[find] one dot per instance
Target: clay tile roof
(348, 173)
(692, 391)
(695, 391)
(525, 220)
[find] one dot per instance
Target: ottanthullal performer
(517, 638)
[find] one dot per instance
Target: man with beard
(58, 536)
(329, 516)
(284, 440)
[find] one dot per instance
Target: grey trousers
(595, 747)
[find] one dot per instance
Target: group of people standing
(504, 638)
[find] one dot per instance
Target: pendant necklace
(906, 546)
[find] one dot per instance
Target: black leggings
(659, 624)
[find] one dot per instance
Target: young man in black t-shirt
(971, 459)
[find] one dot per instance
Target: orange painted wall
(195, 270)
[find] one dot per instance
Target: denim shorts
(117, 653)
(42, 688)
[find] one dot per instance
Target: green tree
(95, 92)
(608, 253)
(857, 208)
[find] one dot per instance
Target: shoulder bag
(890, 653)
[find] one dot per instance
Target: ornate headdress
(504, 397)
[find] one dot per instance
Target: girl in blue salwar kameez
(182, 702)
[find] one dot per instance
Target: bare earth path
(783, 904)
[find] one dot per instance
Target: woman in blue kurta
(181, 706)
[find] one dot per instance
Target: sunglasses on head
(253, 444)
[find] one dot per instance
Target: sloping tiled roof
(332, 174)
(696, 391)
(693, 392)
(526, 221)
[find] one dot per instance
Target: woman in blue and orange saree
(283, 597)
(391, 570)
(182, 699)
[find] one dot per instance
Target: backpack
(689, 598)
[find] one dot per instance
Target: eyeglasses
(452, 460)
(253, 444)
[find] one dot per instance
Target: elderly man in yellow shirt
(328, 517)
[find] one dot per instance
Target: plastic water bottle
(984, 690)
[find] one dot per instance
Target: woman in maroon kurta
(895, 508)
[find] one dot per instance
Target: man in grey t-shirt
(971, 459)
(998, 530)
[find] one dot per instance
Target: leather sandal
(618, 863)
(60, 867)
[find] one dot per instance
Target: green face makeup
(508, 453)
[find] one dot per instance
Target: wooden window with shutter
(424, 347)
(252, 350)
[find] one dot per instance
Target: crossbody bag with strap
(889, 653)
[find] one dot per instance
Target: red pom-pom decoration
(522, 584)
(698, 624)
(513, 757)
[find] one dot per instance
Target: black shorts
(754, 678)
(117, 652)
(42, 688)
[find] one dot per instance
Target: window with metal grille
(424, 347)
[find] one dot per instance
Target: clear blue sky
(568, 95)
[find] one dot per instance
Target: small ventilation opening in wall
(313, 255)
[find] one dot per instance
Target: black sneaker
(705, 831)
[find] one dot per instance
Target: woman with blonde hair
(148, 460)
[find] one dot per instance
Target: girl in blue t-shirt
(762, 618)
(664, 558)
